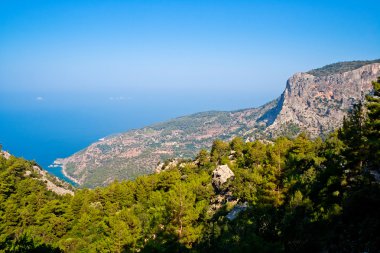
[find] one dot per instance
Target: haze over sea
(72, 72)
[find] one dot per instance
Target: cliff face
(317, 104)
(313, 102)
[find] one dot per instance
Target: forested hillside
(286, 195)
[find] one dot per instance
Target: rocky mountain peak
(317, 104)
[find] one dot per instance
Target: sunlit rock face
(221, 174)
(317, 104)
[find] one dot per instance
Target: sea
(50, 126)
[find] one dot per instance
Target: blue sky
(75, 71)
(103, 49)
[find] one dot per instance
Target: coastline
(64, 172)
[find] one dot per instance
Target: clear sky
(72, 71)
(121, 49)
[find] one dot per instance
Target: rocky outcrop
(221, 175)
(169, 164)
(317, 104)
(52, 183)
(5, 154)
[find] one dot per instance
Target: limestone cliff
(317, 104)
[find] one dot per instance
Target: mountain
(315, 101)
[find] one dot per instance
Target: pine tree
(373, 126)
(353, 136)
(219, 151)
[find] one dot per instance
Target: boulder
(220, 175)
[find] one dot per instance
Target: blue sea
(50, 126)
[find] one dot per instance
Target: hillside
(137, 152)
(33, 171)
(313, 103)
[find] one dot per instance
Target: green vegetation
(340, 67)
(302, 195)
(289, 129)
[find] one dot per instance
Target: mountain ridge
(310, 103)
(340, 67)
(52, 183)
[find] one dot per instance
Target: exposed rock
(317, 104)
(236, 210)
(5, 154)
(162, 166)
(48, 180)
(159, 168)
(221, 174)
